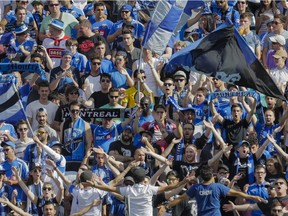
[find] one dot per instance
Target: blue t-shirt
(102, 27)
(104, 137)
(208, 198)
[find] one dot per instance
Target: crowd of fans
(217, 156)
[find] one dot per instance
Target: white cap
(278, 39)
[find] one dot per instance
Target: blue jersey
(138, 28)
(258, 190)
(23, 172)
(201, 112)
(263, 130)
(104, 137)
(11, 17)
(79, 61)
(208, 198)
(76, 12)
(6, 191)
(231, 14)
(31, 155)
(39, 18)
(106, 66)
(8, 128)
(103, 28)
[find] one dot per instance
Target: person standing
(208, 194)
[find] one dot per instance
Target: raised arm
(60, 192)
(277, 147)
(262, 148)
(60, 174)
(13, 207)
(252, 111)
(24, 187)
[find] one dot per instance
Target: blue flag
(225, 55)
(11, 109)
(167, 20)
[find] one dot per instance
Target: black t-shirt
(184, 168)
(232, 163)
(41, 202)
(87, 44)
(100, 98)
(235, 132)
(122, 149)
(62, 113)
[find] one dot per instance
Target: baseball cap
(9, 143)
(180, 73)
(21, 29)
(128, 127)
(42, 110)
(35, 165)
(66, 52)
(54, 143)
(243, 142)
(126, 7)
(37, 2)
(278, 39)
(57, 24)
(223, 166)
(280, 54)
(129, 179)
(86, 176)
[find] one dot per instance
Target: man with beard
(123, 149)
(42, 119)
(144, 114)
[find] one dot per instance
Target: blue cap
(126, 7)
(128, 127)
(57, 24)
(9, 143)
(242, 143)
(21, 29)
(54, 143)
(66, 52)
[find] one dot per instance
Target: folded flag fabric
(167, 20)
(225, 55)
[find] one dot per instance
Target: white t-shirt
(139, 198)
(93, 85)
(32, 108)
(150, 80)
(84, 197)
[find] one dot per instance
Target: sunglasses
(74, 111)
(54, 5)
(105, 80)
(24, 2)
(168, 84)
(47, 188)
(113, 96)
(74, 93)
(171, 179)
(23, 129)
(241, 2)
(223, 173)
(37, 171)
(6, 150)
(219, 2)
(41, 132)
(276, 23)
(96, 63)
(125, 11)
